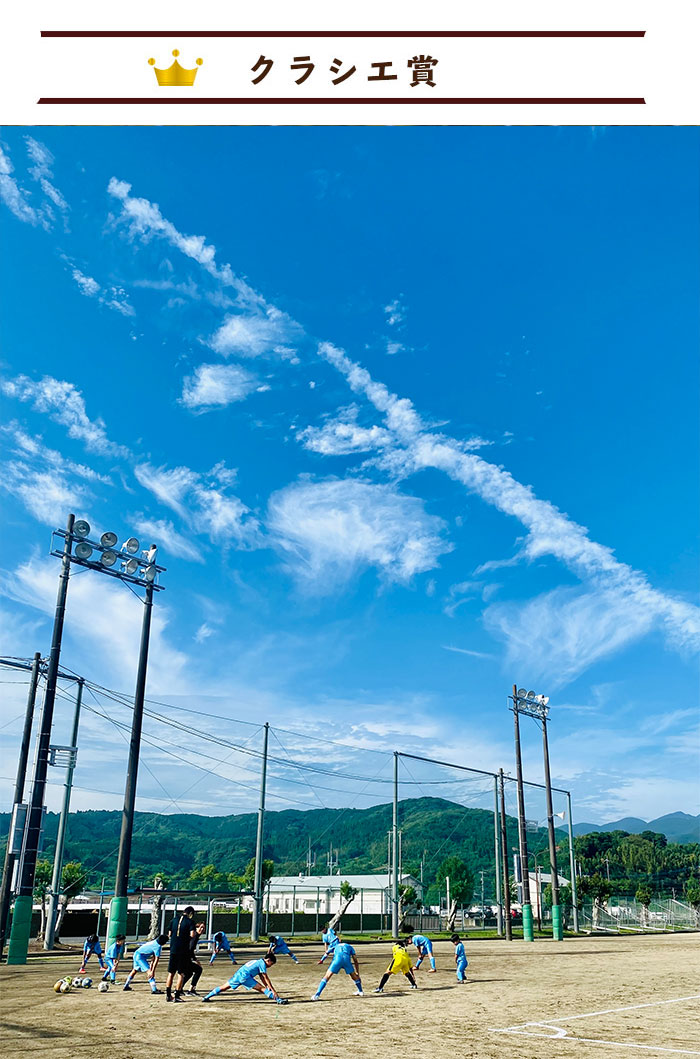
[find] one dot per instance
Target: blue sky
(411, 414)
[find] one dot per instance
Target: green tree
(408, 902)
(643, 896)
(268, 867)
(160, 883)
(348, 894)
(691, 892)
(598, 888)
(461, 885)
(42, 884)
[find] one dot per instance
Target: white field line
(559, 1033)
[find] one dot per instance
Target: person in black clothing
(195, 969)
(182, 930)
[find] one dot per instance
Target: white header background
(662, 67)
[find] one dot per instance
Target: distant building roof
(333, 882)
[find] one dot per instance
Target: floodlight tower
(134, 567)
(528, 933)
(536, 706)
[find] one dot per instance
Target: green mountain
(432, 829)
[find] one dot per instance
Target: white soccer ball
(77, 983)
(87, 982)
(66, 986)
(103, 987)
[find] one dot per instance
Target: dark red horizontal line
(240, 100)
(343, 33)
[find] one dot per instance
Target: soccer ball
(86, 982)
(77, 983)
(103, 987)
(66, 985)
(57, 986)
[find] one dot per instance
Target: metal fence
(626, 914)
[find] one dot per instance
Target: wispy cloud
(395, 312)
(217, 385)
(42, 172)
(254, 335)
(204, 501)
(549, 531)
(342, 435)
(64, 403)
(164, 534)
(16, 198)
(330, 531)
(466, 651)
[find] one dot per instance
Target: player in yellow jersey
(400, 964)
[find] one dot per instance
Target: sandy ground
(509, 985)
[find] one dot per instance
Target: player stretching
(246, 976)
(113, 956)
(400, 964)
(221, 944)
(92, 945)
(344, 959)
(460, 958)
(146, 959)
(425, 948)
(331, 940)
(279, 946)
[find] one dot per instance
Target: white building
(309, 893)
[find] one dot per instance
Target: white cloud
(65, 405)
(46, 482)
(164, 534)
(330, 531)
(563, 632)
(255, 335)
(16, 198)
(208, 508)
(86, 284)
(395, 312)
(394, 347)
(144, 220)
(42, 173)
(203, 633)
(104, 621)
(343, 435)
(466, 651)
(217, 385)
(550, 532)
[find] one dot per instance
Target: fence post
(318, 901)
(210, 917)
(238, 919)
(362, 909)
(294, 905)
(99, 910)
(138, 917)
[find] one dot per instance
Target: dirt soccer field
(592, 998)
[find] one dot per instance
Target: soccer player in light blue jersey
(146, 959)
(92, 945)
(330, 939)
(222, 944)
(460, 958)
(112, 957)
(247, 975)
(280, 948)
(425, 948)
(344, 959)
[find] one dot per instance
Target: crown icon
(175, 76)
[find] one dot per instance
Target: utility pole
(557, 932)
(395, 853)
(528, 934)
(22, 918)
(499, 906)
(118, 907)
(572, 866)
(11, 858)
(504, 861)
(63, 825)
(257, 886)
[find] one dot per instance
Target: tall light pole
(63, 825)
(10, 857)
(504, 860)
(135, 567)
(528, 933)
(536, 706)
(22, 917)
(395, 853)
(258, 884)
